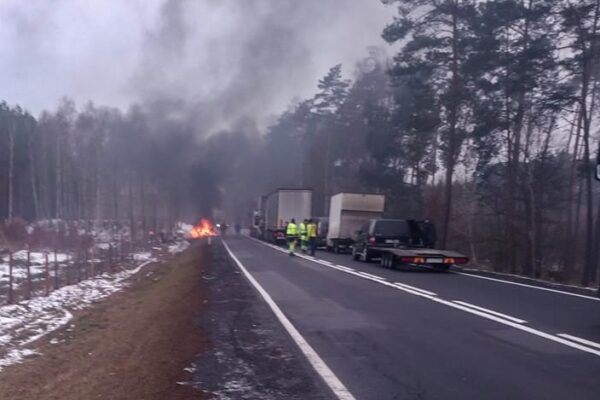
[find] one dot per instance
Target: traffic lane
(550, 311)
(383, 343)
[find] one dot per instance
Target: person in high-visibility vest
(311, 231)
(291, 233)
(303, 236)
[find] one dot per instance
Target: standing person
(303, 236)
(312, 236)
(291, 233)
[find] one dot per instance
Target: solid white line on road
(427, 292)
(496, 313)
(528, 286)
(579, 340)
(315, 360)
(422, 293)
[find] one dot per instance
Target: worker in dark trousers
(311, 231)
(291, 233)
(303, 236)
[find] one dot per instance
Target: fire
(203, 229)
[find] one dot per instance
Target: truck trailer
(347, 213)
(280, 206)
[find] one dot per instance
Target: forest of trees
(485, 121)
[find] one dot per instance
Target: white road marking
(315, 360)
(346, 268)
(496, 313)
(579, 340)
(371, 276)
(427, 292)
(422, 293)
(528, 286)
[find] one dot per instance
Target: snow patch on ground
(179, 246)
(37, 264)
(15, 356)
(143, 256)
(28, 321)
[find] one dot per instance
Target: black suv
(378, 233)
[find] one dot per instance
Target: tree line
(484, 120)
(141, 167)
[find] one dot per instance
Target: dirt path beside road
(134, 345)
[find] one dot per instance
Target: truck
(403, 243)
(347, 213)
(280, 206)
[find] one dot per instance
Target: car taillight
(461, 260)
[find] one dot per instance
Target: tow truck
(421, 258)
(407, 243)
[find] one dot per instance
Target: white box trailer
(348, 212)
(281, 206)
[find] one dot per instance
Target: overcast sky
(229, 58)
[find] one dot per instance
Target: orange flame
(203, 229)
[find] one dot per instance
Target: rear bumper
(341, 242)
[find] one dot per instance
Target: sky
(223, 60)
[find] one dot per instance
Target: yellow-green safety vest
(303, 230)
(291, 230)
(312, 230)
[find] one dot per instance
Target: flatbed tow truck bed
(419, 257)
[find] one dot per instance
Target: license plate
(392, 241)
(434, 260)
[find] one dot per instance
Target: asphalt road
(428, 340)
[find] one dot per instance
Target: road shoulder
(135, 344)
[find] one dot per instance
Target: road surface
(390, 334)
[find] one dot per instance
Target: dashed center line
(372, 276)
(427, 292)
(517, 323)
(496, 313)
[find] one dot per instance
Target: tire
(383, 261)
(391, 262)
(367, 257)
(355, 255)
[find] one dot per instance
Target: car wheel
(383, 261)
(391, 262)
(367, 256)
(355, 255)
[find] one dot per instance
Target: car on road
(378, 234)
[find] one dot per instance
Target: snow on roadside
(28, 321)
(143, 256)
(23, 323)
(179, 246)
(37, 264)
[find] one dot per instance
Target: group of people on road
(306, 232)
